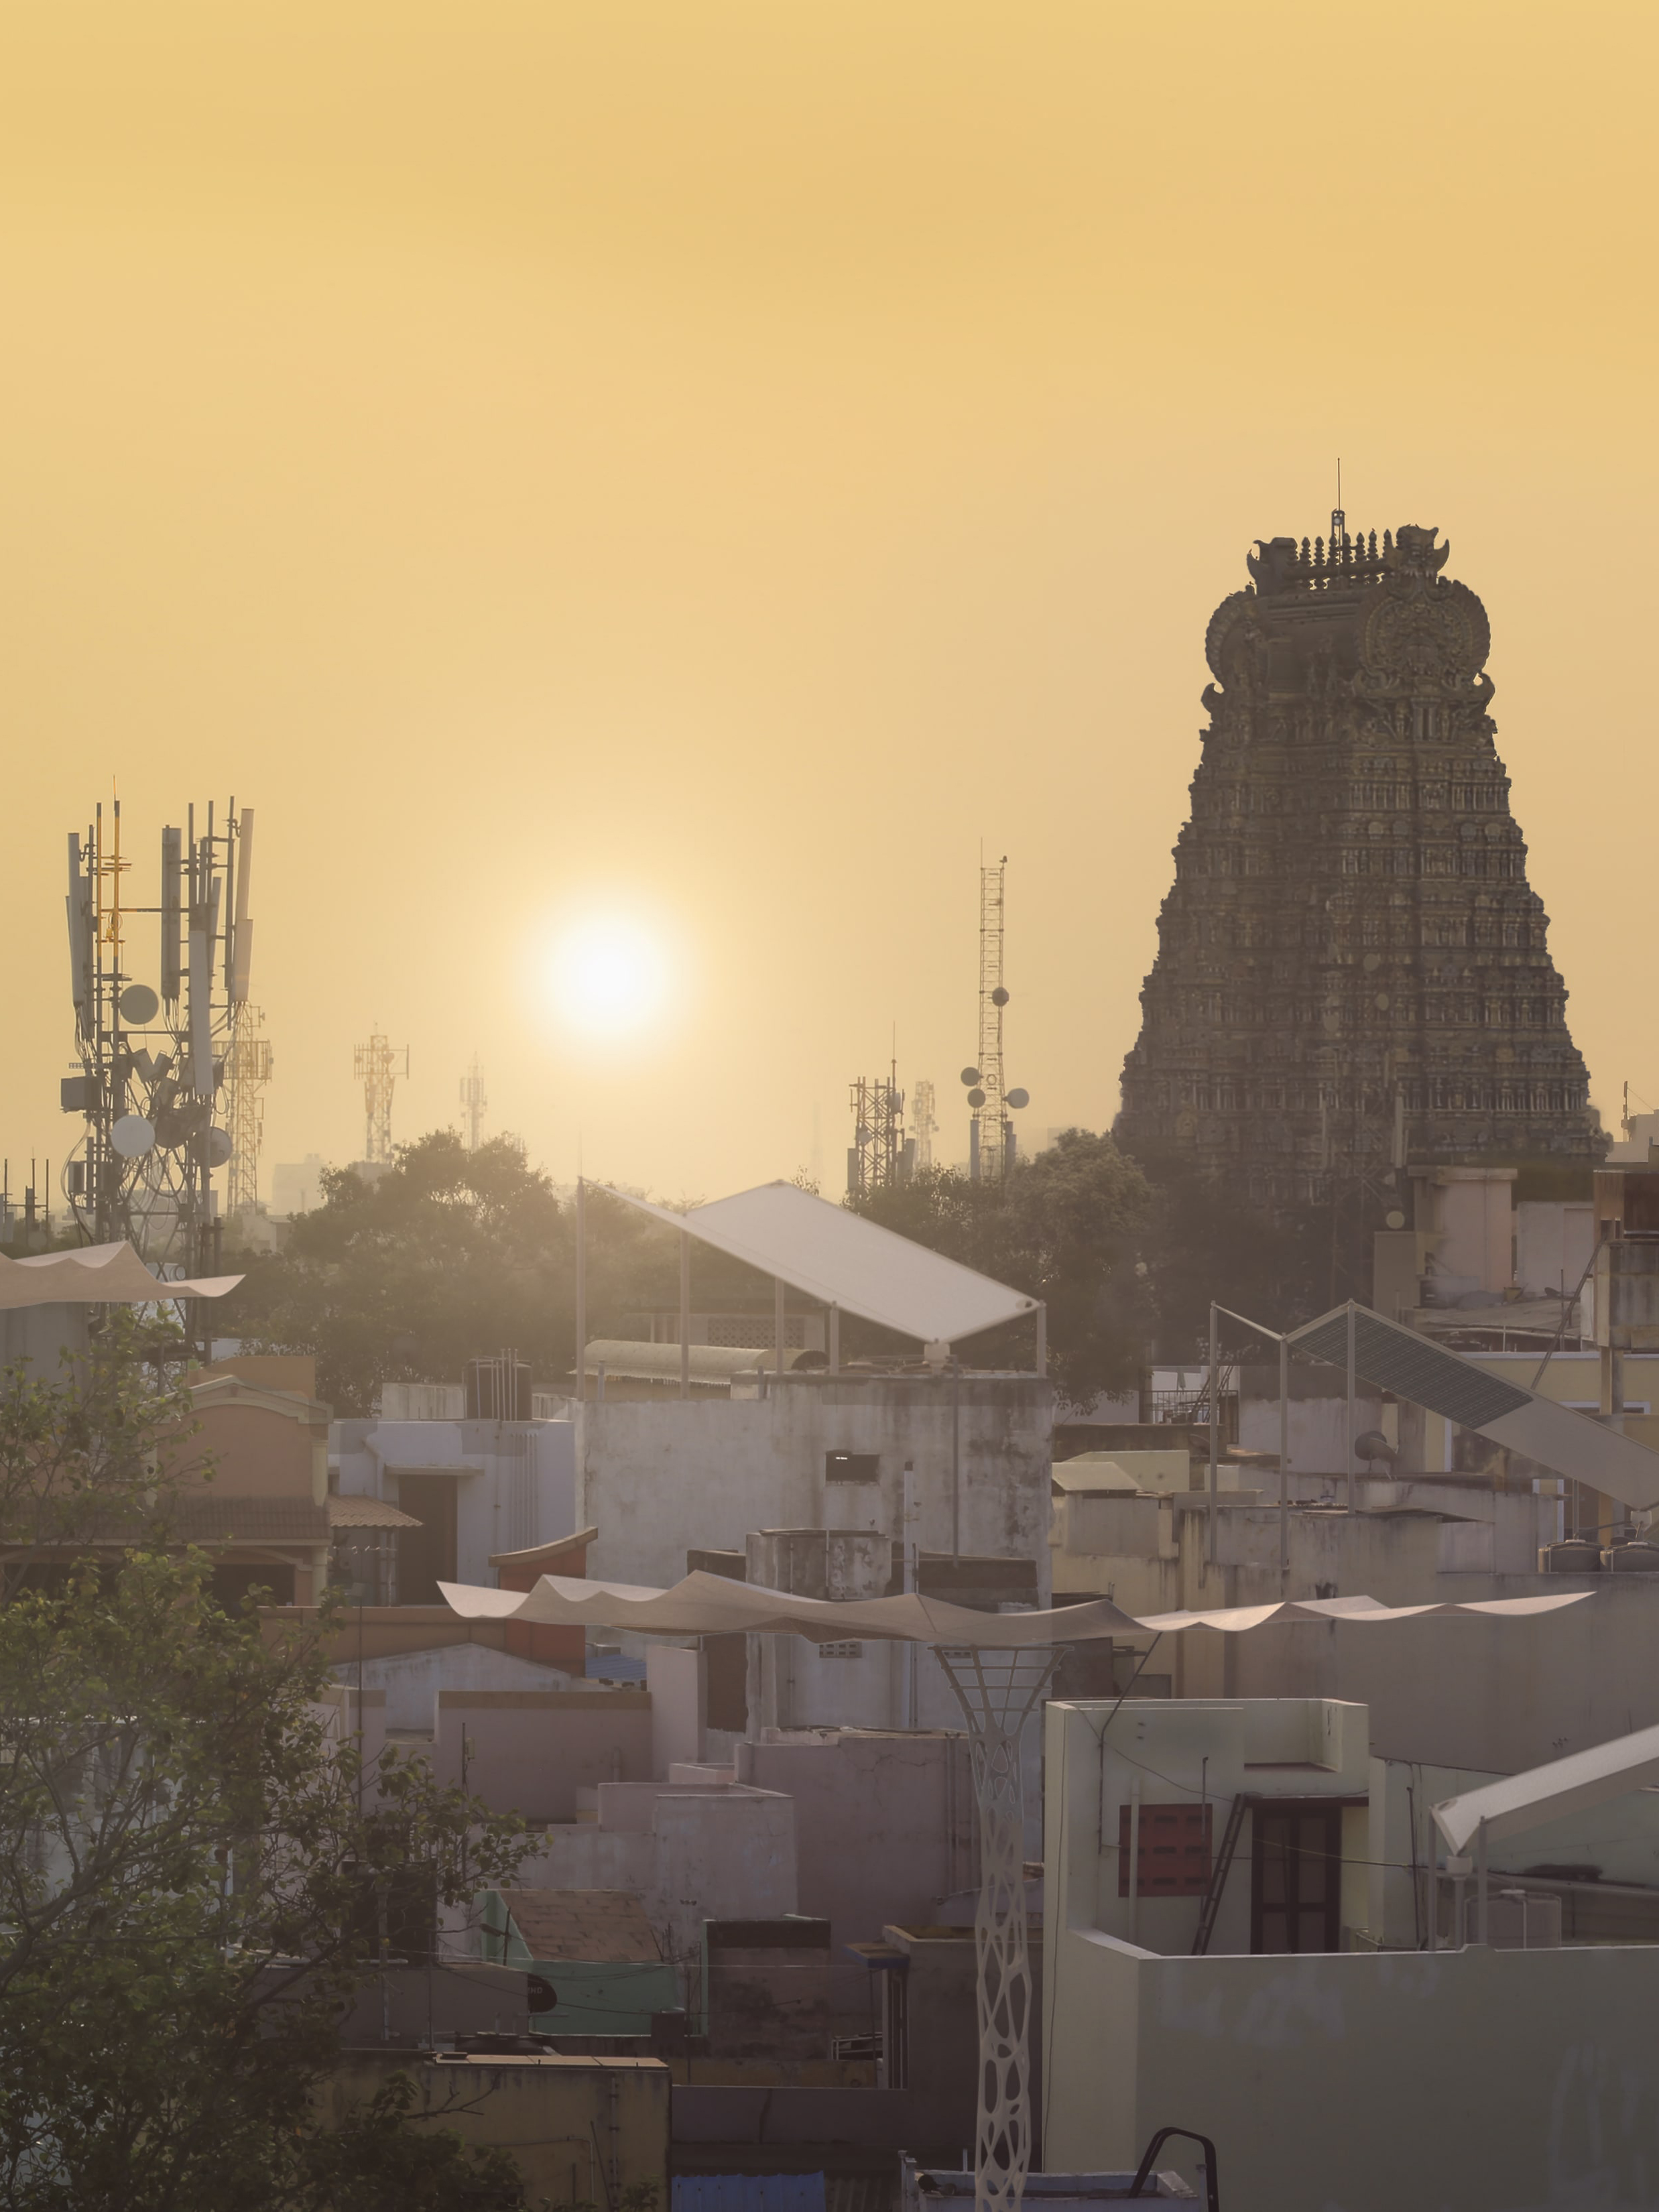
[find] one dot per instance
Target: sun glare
(609, 978)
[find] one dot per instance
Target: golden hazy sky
(718, 461)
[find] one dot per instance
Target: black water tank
(1578, 1555)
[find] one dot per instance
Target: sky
(710, 469)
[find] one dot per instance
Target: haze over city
(710, 470)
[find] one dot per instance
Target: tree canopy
(194, 1867)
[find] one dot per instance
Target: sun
(609, 976)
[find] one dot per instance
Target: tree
(194, 1869)
(1066, 1226)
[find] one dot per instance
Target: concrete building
(475, 1488)
(972, 1451)
(1325, 2071)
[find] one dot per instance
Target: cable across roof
(842, 1260)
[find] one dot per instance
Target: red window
(1174, 1853)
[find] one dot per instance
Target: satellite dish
(999, 997)
(976, 1099)
(139, 1006)
(133, 1136)
(219, 1148)
(1019, 1097)
(970, 1075)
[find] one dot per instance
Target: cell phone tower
(473, 1104)
(154, 1062)
(991, 1134)
(878, 1154)
(247, 1070)
(377, 1071)
(923, 1126)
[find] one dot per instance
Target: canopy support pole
(778, 1329)
(685, 1312)
(1352, 1396)
(581, 1290)
(1215, 1421)
(998, 1692)
(1284, 1466)
(1042, 1340)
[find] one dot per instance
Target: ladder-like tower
(923, 1125)
(878, 1155)
(377, 1071)
(248, 1071)
(473, 1104)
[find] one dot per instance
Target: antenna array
(878, 1154)
(154, 1064)
(991, 1134)
(377, 1071)
(473, 1104)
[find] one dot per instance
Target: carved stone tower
(1352, 970)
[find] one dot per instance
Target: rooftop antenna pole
(1339, 520)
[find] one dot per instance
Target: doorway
(426, 1555)
(1296, 1877)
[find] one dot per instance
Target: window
(1296, 1878)
(1173, 1852)
(851, 1467)
(847, 1651)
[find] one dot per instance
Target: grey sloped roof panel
(1555, 1436)
(1517, 1802)
(1414, 1366)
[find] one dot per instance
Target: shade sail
(1540, 1429)
(96, 1275)
(844, 1260)
(708, 1605)
(1542, 1793)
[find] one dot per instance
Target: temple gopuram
(1352, 970)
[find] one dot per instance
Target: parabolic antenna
(976, 1099)
(219, 1148)
(133, 1136)
(999, 997)
(139, 1006)
(970, 1075)
(1019, 1098)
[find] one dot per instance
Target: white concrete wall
(525, 1492)
(1552, 1242)
(1477, 2081)
(412, 1680)
(662, 1480)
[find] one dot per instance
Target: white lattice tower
(377, 1071)
(922, 1123)
(248, 1071)
(998, 1692)
(473, 1104)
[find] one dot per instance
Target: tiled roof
(366, 1513)
(251, 1521)
(598, 1926)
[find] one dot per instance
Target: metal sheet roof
(1541, 1429)
(1542, 1793)
(96, 1275)
(844, 1260)
(709, 1605)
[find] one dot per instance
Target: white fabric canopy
(842, 1260)
(709, 1605)
(95, 1274)
(1542, 1793)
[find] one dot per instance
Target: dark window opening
(426, 1555)
(851, 1467)
(231, 1585)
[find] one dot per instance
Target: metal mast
(878, 1154)
(247, 1069)
(473, 1104)
(923, 1126)
(377, 1071)
(154, 1062)
(991, 1134)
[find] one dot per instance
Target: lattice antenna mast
(248, 1071)
(878, 1155)
(378, 1071)
(923, 1126)
(155, 1061)
(473, 1104)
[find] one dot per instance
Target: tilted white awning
(709, 1605)
(1542, 1793)
(842, 1260)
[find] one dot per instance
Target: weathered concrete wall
(884, 1825)
(689, 1852)
(606, 2118)
(662, 1480)
(523, 1493)
(412, 1680)
(1462, 1691)
(529, 1751)
(1477, 2081)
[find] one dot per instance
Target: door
(1296, 1878)
(426, 1555)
